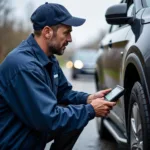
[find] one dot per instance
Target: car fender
(135, 57)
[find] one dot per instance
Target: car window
(148, 3)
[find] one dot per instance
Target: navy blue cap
(50, 14)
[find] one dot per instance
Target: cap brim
(74, 21)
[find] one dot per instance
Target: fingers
(106, 111)
(102, 107)
(102, 98)
(111, 104)
(102, 93)
(104, 114)
(106, 91)
(107, 108)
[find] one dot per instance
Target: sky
(92, 10)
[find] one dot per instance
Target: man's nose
(69, 39)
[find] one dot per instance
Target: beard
(55, 47)
(55, 50)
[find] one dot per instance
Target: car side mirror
(117, 15)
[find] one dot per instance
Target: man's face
(60, 40)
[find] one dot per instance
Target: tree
(9, 37)
(5, 10)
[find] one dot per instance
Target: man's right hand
(102, 107)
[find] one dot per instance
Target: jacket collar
(42, 57)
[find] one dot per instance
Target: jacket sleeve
(33, 102)
(66, 94)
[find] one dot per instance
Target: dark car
(125, 60)
(83, 61)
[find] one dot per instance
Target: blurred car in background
(125, 61)
(82, 62)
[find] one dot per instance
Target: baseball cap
(50, 14)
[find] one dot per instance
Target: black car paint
(125, 59)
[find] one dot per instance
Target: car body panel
(112, 70)
(127, 46)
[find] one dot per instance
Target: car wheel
(103, 132)
(138, 120)
(74, 76)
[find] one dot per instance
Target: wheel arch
(134, 71)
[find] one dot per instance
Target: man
(33, 88)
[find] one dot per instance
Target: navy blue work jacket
(31, 88)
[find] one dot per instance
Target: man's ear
(47, 32)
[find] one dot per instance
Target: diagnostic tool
(115, 94)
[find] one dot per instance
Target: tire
(138, 120)
(103, 132)
(74, 76)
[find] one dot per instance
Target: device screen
(113, 93)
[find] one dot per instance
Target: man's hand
(99, 94)
(102, 107)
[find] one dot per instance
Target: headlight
(69, 64)
(78, 64)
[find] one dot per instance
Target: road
(89, 139)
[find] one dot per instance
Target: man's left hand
(99, 94)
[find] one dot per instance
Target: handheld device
(115, 94)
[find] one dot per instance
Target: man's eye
(66, 32)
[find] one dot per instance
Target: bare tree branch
(5, 10)
(3, 4)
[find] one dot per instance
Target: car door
(114, 46)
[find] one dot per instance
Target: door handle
(110, 44)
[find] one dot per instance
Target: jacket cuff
(91, 111)
(84, 98)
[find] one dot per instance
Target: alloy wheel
(136, 135)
